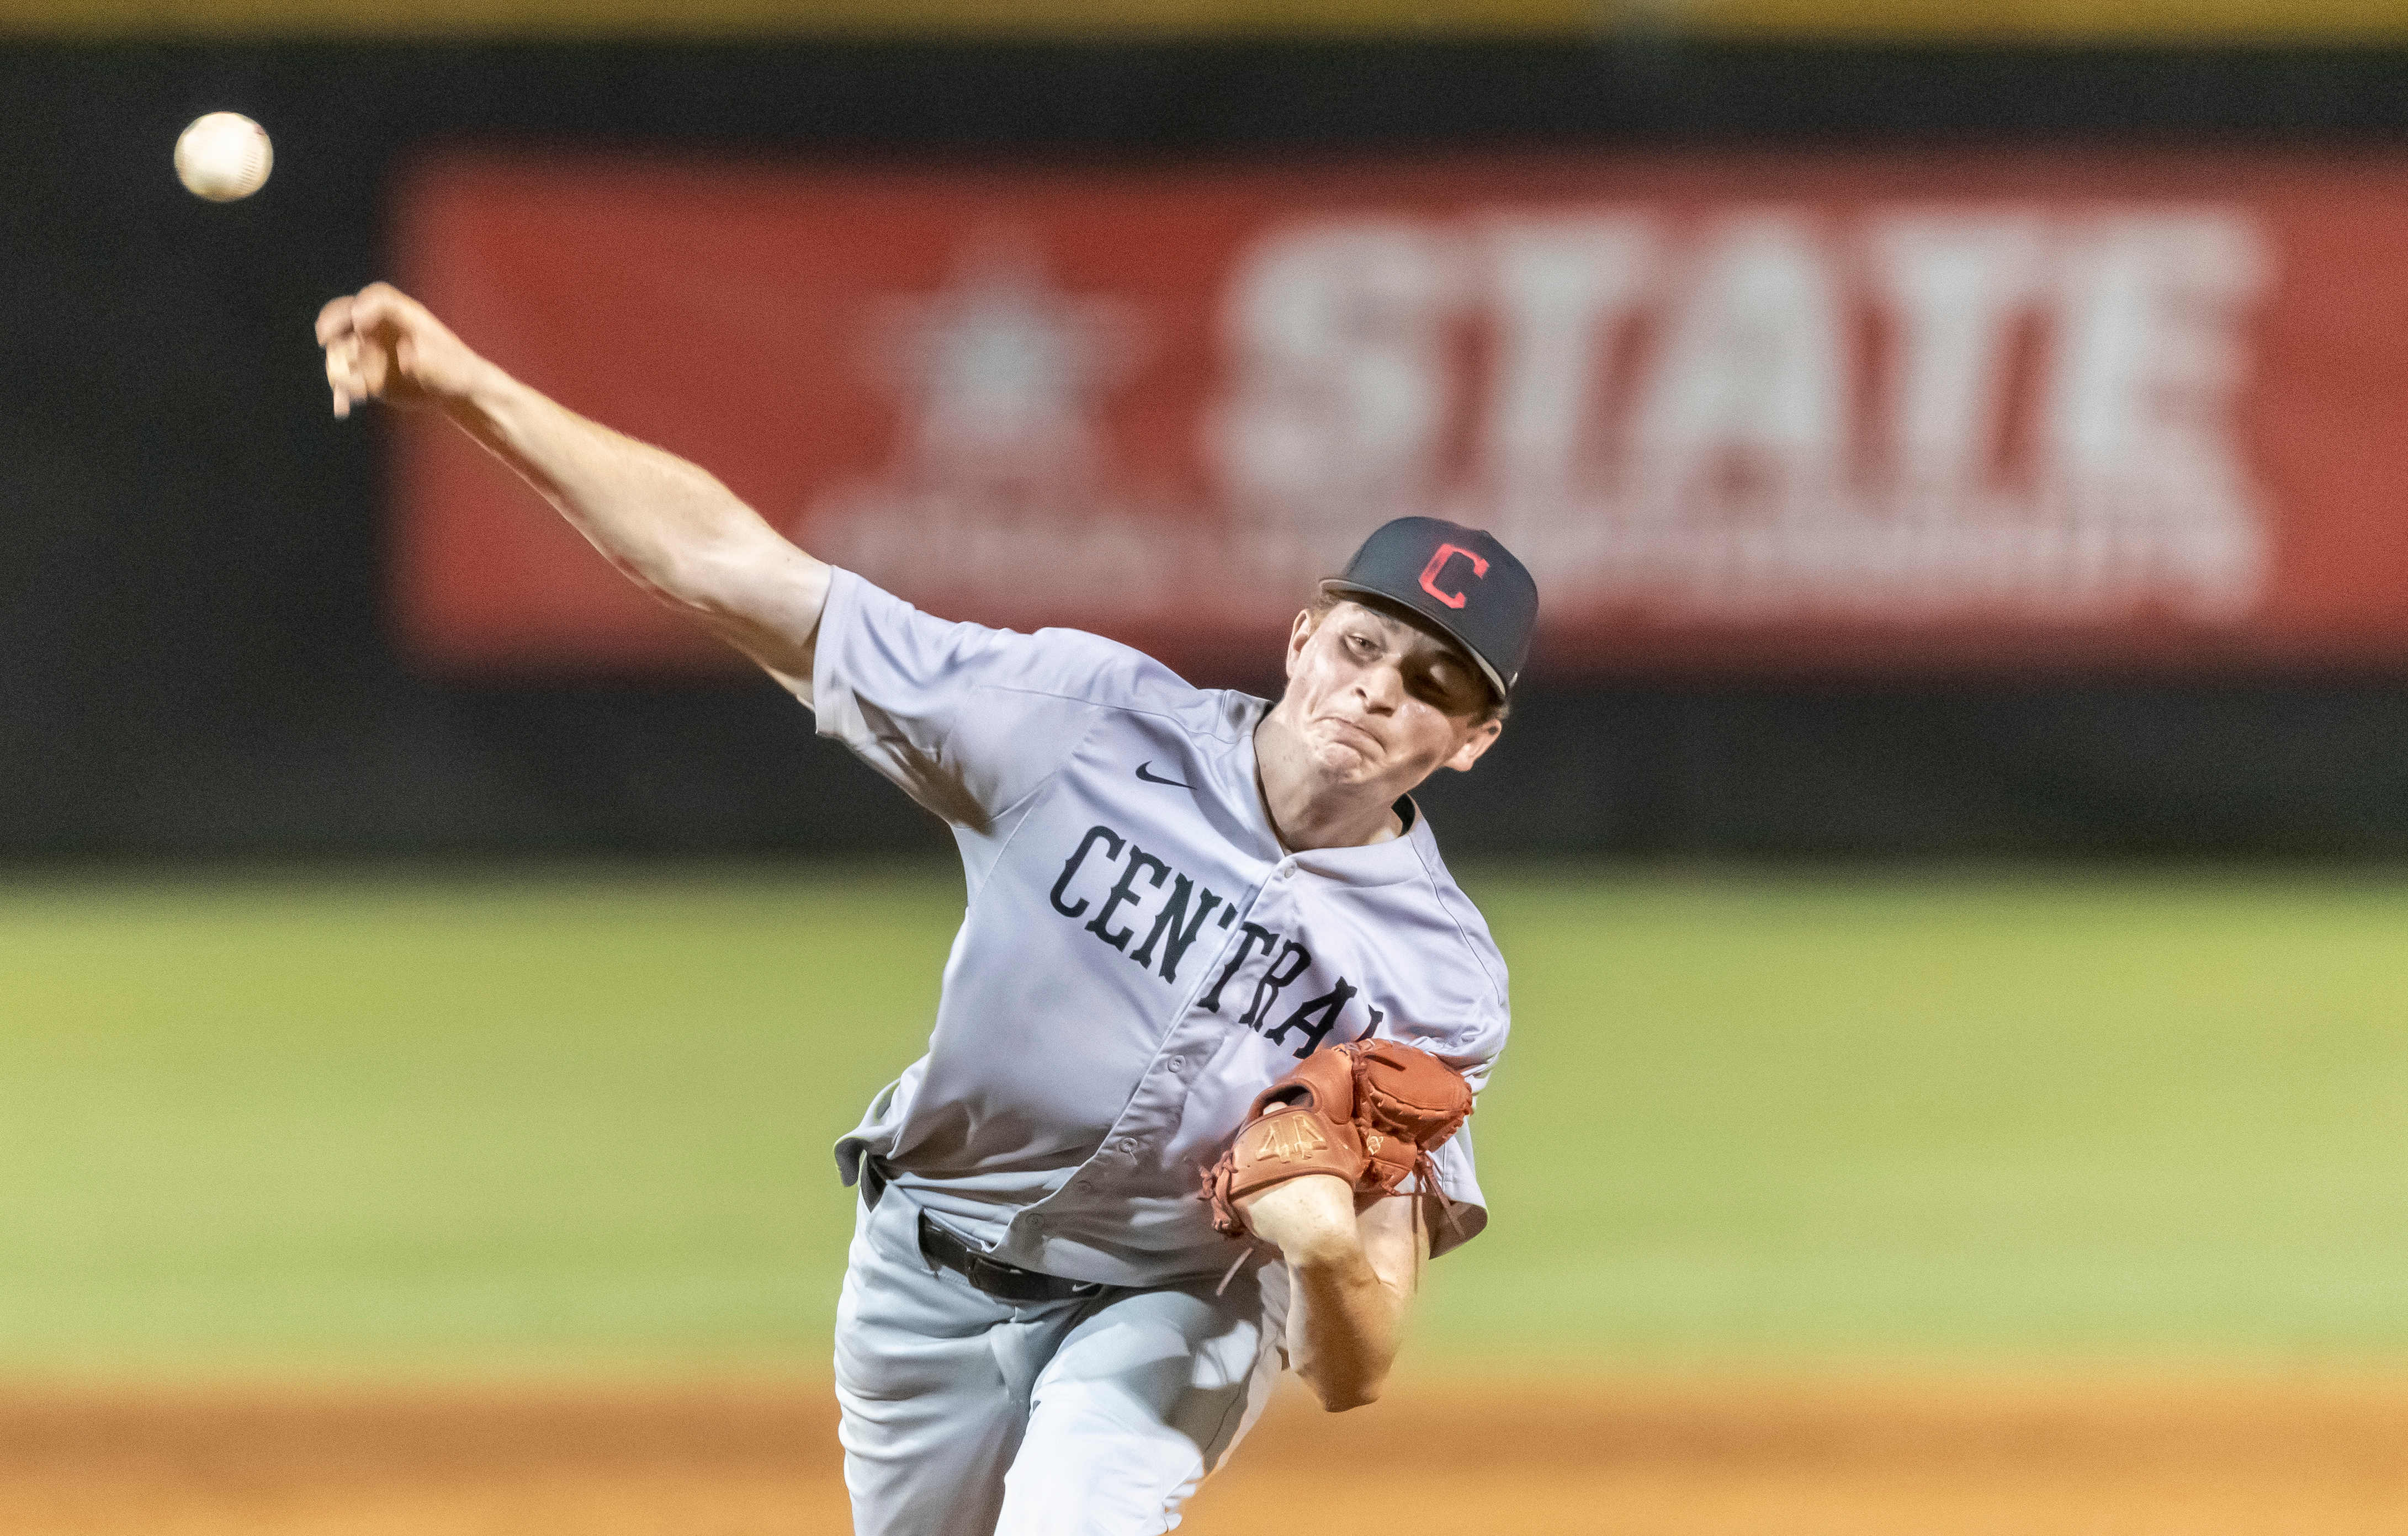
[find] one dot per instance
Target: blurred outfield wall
(198, 637)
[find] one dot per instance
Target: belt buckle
(991, 1276)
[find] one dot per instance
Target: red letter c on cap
(1437, 564)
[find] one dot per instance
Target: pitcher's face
(1376, 699)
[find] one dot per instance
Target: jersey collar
(1405, 855)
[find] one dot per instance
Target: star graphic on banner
(1002, 372)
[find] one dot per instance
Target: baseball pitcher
(1193, 1108)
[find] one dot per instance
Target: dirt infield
(1708, 1457)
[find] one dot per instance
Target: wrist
(1331, 1252)
(487, 396)
(1323, 1242)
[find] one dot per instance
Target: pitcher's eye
(1362, 646)
(1450, 689)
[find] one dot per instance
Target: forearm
(1344, 1326)
(1352, 1279)
(671, 526)
(667, 524)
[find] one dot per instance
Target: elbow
(699, 580)
(1347, 1402)
(1340, 1394)
(748, 575)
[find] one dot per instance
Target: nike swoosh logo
(1157, 778)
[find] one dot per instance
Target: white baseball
(223, 156)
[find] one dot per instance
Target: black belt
(1002, 1281)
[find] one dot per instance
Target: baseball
(223, 156)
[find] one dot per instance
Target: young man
(1174, 896)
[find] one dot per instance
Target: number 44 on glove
(1369, 1111)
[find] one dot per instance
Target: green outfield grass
(545, 1123)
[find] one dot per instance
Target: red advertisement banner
(1738, 413)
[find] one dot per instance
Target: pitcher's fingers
(380, 304)
(334, 319)
(338, 377)
(346, 370)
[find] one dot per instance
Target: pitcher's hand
(383, 344)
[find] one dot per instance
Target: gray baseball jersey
(1138, 958)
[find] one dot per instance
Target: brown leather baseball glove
(1369, 1111)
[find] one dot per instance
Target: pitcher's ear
(1307, 620)
(1482, 737)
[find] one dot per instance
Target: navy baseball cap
(1460, 580)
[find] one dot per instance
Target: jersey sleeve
(967, 720)
(1458, 1174)
(1464, 1018)
(1458, 1182)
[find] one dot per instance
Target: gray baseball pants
(964, 1415)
